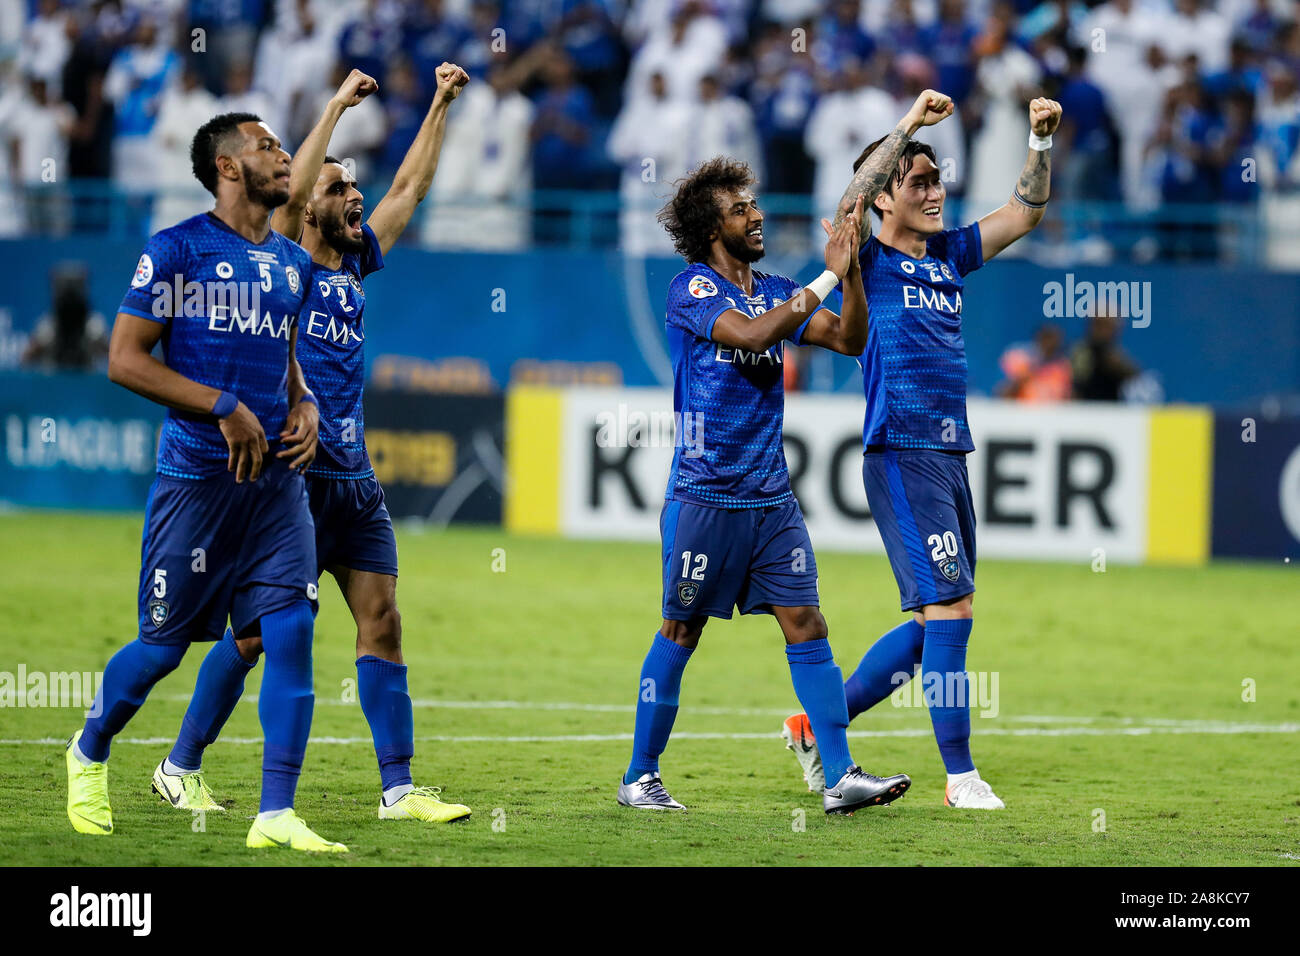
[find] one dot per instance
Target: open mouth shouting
(353, 220)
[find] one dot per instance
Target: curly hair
(912, 150)
(692, 216)
(214, 138)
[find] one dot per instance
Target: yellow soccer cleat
(289, 831)
(185, 791)
(88, 807)
(422, 803)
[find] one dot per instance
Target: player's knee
(287, 633)
(380, 633)
(683, 633)
(808, 624)
(957, 609)
(250, 648)
(163, 658)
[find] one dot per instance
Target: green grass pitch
(1122, 736)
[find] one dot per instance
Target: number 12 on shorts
(696, 573)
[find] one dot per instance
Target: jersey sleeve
(154, 283)
(965, 248)
(694, 304)
(372, 259)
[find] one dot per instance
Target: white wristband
(823, 285)
(1039, 143)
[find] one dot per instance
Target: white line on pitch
(1195, 727)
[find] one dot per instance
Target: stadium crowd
(1165, 100)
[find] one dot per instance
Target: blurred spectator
(71, 336)
(1196, 28)
(948, 139)
(648, 142)
(588, 36)
(1088, 157)
(302, 62)
(721, 126)
(373, 35)
(229, 33)
(852, 114)
(34, 128)
(1101, 366)
(89, 147)
(185, 107)
(839, 39)
(1007, 77)
(45, 46)
(405, 107)
(1039, 371)
(948, 41)
(431, 37)
(241, 96)
(783, 94)
(562, 128)
(484, 176)
(360, 130)
(683, 49)
(137, 76)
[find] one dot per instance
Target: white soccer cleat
(972, 793)
(798, 736)
(647, 793)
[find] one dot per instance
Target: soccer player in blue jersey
(732, 532)
(354, 533)
(228, 531)
(916, 436)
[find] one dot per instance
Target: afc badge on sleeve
(702, 287)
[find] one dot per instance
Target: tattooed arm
(870, 178)
(1024, 210)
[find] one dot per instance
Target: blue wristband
(309, 397)
(226, 405)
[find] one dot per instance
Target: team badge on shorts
(686, 592)
(950, 569)
(158, 612)
(702, 287)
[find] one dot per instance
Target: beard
(264, 190)
(738, 247)
(336, 236)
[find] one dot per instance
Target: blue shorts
(921, 503)
(213, 549)
(353, 527)
(716, 559)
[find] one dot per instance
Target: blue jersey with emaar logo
(729, 403)
(227, 306)
(914, 365)
(331, 350)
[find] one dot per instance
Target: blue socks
(656, 704)
(128, 677)
(216, 692)
(897, 652)
(819, 685)
(286, 702)
(943, 669)
(381, 685)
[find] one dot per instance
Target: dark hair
(692, 216)
(910, 152)
(330, 159)
(213, 139)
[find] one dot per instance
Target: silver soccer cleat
(647, 793)
(857, 789)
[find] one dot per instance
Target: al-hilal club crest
(950, 569)
(686, 592)
(158, 612)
